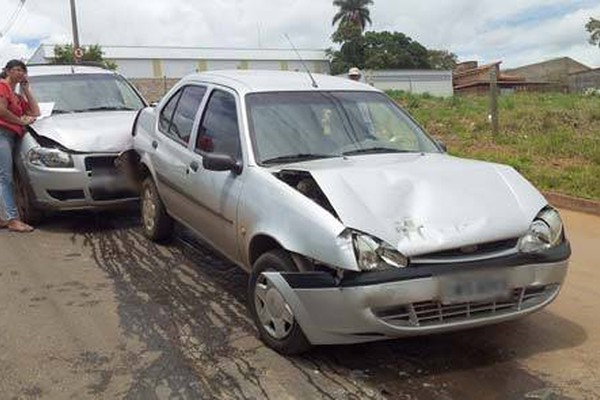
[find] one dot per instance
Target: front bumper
(341, 314)
(91, 183)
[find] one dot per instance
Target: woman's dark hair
(12, 64)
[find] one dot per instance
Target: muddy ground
(91, 309)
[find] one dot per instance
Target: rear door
(171, 154)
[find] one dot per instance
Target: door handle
(154, 144)
(194, 166)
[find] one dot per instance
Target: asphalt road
(90, 309)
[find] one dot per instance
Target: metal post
(494, 99)
(75, 30)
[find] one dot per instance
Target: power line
(13, 18)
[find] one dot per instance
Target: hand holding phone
(25, 83)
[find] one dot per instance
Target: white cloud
(487, 30)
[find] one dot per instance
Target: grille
(100, 165)
(475, 250)
(429, 313)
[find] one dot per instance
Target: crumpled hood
(423, 203)
(101, 131)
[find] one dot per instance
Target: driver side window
(219, 130)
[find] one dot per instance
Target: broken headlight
(47, 157)
(372, 253)
(545, 232)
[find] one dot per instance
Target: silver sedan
(66, 160)
(354, 224)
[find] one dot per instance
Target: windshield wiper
(298, 157)
(57, 111)
(106, 108)
(375, 150)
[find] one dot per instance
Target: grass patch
(553, 139)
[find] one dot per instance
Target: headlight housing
(48, 157)
(545, 232)
(374, 254)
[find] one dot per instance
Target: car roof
(49, 69)
(249, 81)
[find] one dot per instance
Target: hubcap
(274, 313)
(148, 209)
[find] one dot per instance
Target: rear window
(86, 92)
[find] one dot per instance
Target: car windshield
(86, 92)
(297, 126)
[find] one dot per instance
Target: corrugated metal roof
(200, 53)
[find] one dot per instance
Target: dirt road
(90, 309)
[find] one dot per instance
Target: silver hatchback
(66, 160)
(354, 224)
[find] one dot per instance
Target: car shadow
(124, 217)
(471, 364)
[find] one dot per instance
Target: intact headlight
(52, 158)
(372, 253)
(545, 232)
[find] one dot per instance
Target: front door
(218, 191)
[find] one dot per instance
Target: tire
(28, 213)
(157, 224)
(285, 336)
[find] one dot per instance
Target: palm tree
(593, 27)
(355, 11)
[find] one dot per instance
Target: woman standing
(16, 112)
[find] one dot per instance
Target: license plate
(473, 287)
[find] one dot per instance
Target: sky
(516, 32)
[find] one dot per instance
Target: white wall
(141, 69)
(436, 83)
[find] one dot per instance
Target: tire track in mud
(188, 307)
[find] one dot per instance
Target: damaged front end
(387, 294)
(52, 176)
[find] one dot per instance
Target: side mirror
(442, 146)
(221, 162)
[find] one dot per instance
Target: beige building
(154, 69)
(556, 70)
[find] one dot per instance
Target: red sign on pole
(78, 53)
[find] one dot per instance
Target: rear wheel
(28, 213)
(273, 317)
(157, 224)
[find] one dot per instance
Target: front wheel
(157, 224)
(28, 213)
(273, 317)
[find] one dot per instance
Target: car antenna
(314, 83)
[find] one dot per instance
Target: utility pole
(76, 50)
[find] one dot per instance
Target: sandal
(15, 225)
(3, 224)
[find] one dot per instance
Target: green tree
(351, 52)
(394, 50)
(593, 27)
(353, 11)
(63, 54)
(442, 59)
